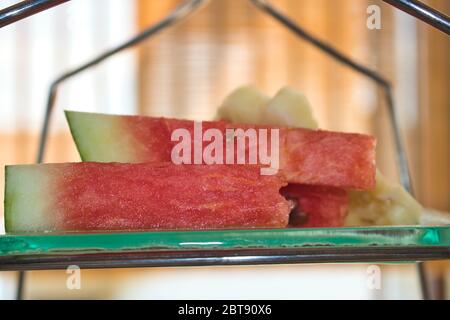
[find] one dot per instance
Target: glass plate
(130, 249)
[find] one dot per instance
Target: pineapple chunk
(387, 204)
(244, 105)
(290, 108)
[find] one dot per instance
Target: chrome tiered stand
(235, 255)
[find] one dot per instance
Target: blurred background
(187, 70)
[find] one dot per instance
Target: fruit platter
(261, 183)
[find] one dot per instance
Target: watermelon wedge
(309, 157)
(100, 196)
(317, 206)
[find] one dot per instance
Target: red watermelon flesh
(317, 206)
(310, 157)
(99, 196)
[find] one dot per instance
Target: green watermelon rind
(75, 136)
(8, 201)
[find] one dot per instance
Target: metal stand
(416, 8)
(25, 9)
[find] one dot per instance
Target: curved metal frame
(438, 20)
(423, 12)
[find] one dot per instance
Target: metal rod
(423, 12)
(427, 294)
(25, 9)
(20, 285)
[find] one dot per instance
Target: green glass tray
(173, 248)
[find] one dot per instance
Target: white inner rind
(28, 199)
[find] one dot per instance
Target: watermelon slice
(317, 206)
(99, 196)
(310, 157)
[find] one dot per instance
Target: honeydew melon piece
(290, 108)
(244, 105)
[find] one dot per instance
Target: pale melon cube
(244, 105)
(290, 108)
